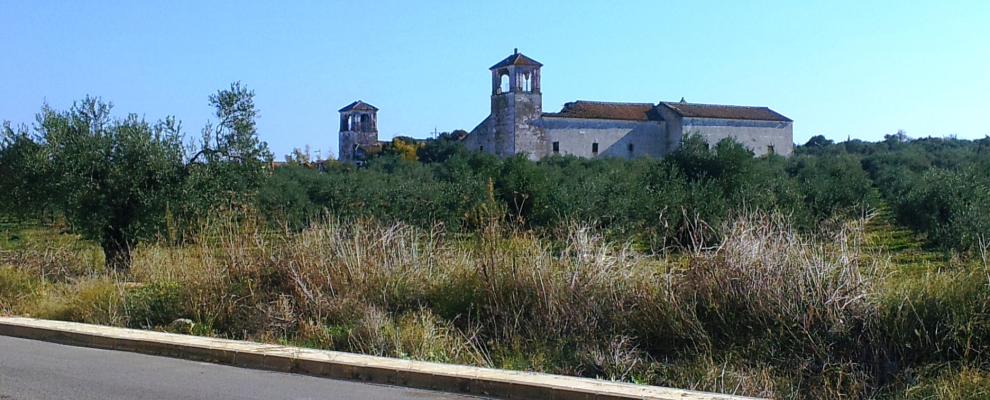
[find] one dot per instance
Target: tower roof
(516, 58)
(359, 106)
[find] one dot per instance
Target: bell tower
(517, 106)
(358, 129)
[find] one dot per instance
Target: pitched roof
(359, 106)
(694, 110)
(516, 58)
(606, 110)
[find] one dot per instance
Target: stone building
(517, 123)
(358, 131)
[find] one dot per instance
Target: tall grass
(765, 312)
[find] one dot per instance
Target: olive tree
(113, 180)
(230, 164)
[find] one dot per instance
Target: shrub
(155, 304)
(95, 300)
(417, 335)
(758, 287)
(834, 186)
(15, 286)
(951, 207)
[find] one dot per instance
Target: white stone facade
(518, 125)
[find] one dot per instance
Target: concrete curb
(346, 366)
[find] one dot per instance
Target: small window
(481, 148)
(594, 148)
(556, 147)
(630, 147)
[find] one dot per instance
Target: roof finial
(515, 51)
(683, 101)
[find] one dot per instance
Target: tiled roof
(516, 59)
(359, 106)
(606, 110)
(693, 110)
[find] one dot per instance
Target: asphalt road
(31, 370)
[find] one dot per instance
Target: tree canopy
(118, 181)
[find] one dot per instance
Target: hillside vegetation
(850, 270)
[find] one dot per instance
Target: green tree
(819, 141)
(442, 148)
(833, 185)
(233, 140)
(951, 207)
(113, 180)
(231, 163)
(22, 184)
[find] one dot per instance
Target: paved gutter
(346, 366)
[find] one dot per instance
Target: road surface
(31, 370)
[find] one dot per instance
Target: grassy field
(859, 310)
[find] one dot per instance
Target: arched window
(503, 85)
(526, 82)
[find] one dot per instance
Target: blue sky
(838, 68)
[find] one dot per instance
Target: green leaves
(951, 206)
(118, 181)
(22, 180)
(111, 179)
(234, 138)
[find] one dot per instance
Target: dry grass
(765, 312)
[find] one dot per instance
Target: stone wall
(481, 138)
(758, 136)
(577, 136)
(502, 124)
(528, 137)
(673, 132)
(348, 139)
(511, 128)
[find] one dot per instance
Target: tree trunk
(117, 254)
